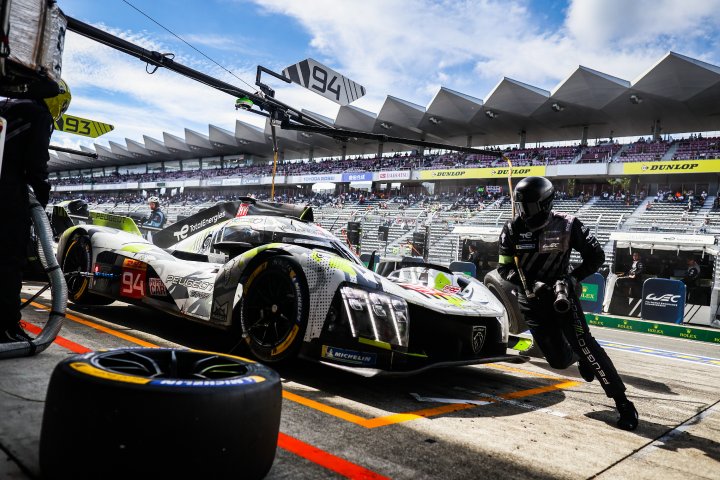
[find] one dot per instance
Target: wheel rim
(271, 308)
(75, 261)
(177, 364)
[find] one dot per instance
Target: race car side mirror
(371, 263)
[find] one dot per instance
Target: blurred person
(631, 281)
(30, 125)
(692, 274)
(535, 250)
(157, 218)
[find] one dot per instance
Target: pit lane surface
(490, 421)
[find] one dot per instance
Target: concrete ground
(491, 421)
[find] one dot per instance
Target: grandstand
(670, 175)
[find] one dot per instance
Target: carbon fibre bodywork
(453, 319)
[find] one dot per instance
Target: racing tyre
(502, 290)
(160, 413)
(274, 311)
(78, 259)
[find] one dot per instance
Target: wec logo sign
(668, 297)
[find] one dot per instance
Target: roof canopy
(682, 93)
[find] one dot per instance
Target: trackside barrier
(663, 300)
(709, 335)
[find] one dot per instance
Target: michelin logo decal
(349, 356)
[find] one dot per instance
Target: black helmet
(534, 200)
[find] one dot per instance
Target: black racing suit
(24, 163)
(631, 285)
(544, 257)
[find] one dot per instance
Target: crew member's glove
(540, 288)
(574, 283)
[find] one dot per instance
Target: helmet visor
(529, 209)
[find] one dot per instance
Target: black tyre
(76, 261)
(160, 413)
(274, 309)
(502, 289)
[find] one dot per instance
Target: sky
(404, 48)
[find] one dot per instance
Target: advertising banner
(230, 182)
(357, 177)
(108, 186)
(663, 300)
(676, 331)
(213, 182)
(267, 180)
(251, 180)
(328, 177)
(464, 173)
(671, 167)
(393, 175)
(593, 293)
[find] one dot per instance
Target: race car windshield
(336, 247)
(421, 275)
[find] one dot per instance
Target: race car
(265, 272)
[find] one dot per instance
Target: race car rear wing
(224, 211)
(75, 212)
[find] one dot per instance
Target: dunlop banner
(496, 172)
(671, 167)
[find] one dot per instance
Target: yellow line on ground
(102, 328)
(539, 390)
(335, 412)
(417, 414)
(425, 413)
(520, 370)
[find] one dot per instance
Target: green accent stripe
(505, 259)
(699, 334)
(375, 343)
(136, 248)
(522, 344)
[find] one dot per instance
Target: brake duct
(58, 289)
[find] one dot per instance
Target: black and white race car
(266, 272)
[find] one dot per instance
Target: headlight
(377, 316)
(504, 322)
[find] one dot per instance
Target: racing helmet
(534, 200)
(60, 102)
(154, 200)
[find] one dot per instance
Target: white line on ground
(420, 398)
(516, 403)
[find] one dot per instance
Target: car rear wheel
(77, 265)
(274, 310)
